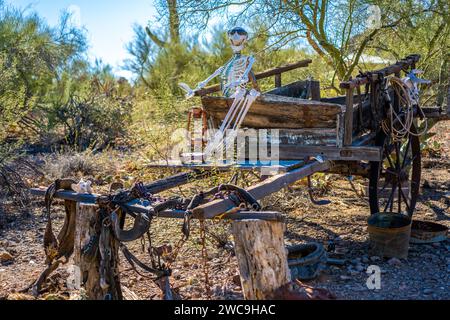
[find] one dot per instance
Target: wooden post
(348, 118)
(315, 90)
(262, 257)
(448, 101)
(88, 265)
(278, 80)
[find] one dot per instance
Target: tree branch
(154, 38)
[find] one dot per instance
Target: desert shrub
(32, 56)
(15, 175)
(94, 121)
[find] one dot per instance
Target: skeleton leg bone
(238, 98)
(249, 99)
(233, 120)
(234, 109)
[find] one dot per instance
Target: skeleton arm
(190, 93)
(205, 82)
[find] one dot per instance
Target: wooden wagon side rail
(410, 60)
(262, 75)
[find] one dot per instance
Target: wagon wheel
(394, 182)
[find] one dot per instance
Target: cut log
(261, 256)
(88, 265)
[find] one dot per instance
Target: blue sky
(109, 23)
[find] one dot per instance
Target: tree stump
(262, 257)
(87, 266)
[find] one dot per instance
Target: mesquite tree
(339, 32)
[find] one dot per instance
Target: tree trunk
(262, 257)
(88, 265)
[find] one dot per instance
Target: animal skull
(82, 187)
(412, 82)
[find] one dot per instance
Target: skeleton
(234, 76)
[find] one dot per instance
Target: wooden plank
(312, 136)
(281, 166)
(289, 152)
(261, 190)
(277, 112)
(175, 181)
(154, 187)
(261, 75)
(67, 195)
(294, 89)
(340, 130)
(348, 119)
(402, 64)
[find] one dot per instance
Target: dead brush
(15, 173)
(71, 164)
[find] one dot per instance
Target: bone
(240, 93)
(236, 107)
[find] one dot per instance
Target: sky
(109, 23)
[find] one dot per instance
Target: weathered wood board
(277, 112)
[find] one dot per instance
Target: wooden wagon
(345, 131)
(338, 135)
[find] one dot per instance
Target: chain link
(205, 258)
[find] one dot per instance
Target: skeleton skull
(238, 37)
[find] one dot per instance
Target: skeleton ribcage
(233, 71)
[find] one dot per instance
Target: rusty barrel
(389, 234)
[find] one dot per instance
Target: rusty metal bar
(135, 207)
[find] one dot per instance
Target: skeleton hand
(189, 92)
(201, 85)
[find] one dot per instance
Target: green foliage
(32, 55)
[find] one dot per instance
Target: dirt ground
(342, 224)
